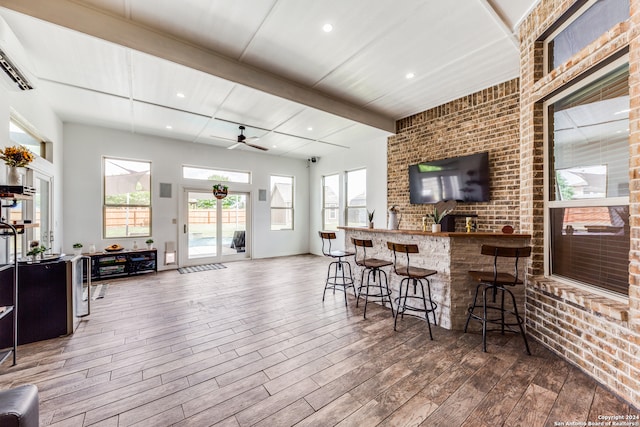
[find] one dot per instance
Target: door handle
(185, 228)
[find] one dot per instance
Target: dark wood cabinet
(44, 298)
(123, 263)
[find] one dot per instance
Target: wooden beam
(116, 29)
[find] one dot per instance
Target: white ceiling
(270, 66)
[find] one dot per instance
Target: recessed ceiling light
(327, 28)
(180, 95)
(309, 128)
(410, 75)
(169, 127)
(274, 146)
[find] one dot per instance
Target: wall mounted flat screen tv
(464, 179)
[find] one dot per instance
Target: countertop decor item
(507, 229)
(394, 218)
(370, 216)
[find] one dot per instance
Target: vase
(436, 228)
(14, 177)
(371, 224)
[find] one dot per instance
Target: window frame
(570, 16)
(335, 211)
(221, 171)
(28, 130)
(106, 205)
(549, 203)
(272, 208)
(349, 207)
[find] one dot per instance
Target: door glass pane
(41, 213)
(202, 224)
(234, 223)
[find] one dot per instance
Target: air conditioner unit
(14, 72)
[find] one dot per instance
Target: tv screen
(464, 179)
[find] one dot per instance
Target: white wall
(31, 108)
(370, 154)
(85, 147)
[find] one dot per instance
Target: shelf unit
(8, 230)
(123, 263)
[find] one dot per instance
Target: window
(330, 201)
(18, 134)
(357, 198)
(127, 198)
(588, 192)
(584, 27)
(282, 203)
(205, 174)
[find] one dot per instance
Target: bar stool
(338, 278)
(496, 281)
(373, 267)
(414, 275)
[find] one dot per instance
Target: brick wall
(599, 334)
(484, 121)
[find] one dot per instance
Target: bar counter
(451, 254)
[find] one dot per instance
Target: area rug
(203, 267)
(97, 291)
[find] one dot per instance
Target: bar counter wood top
(440, 234)
(451, 254)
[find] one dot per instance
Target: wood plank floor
(253, 344)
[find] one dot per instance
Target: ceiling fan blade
(236, 145)
(257, 146)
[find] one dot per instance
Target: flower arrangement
(16, 156)
(149, 241)
(77, 245)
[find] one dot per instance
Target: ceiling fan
(242, 139)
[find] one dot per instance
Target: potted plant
(440, 210)
(220, 191)
(77, 248)
(149, 243)
(36, 251)
(370, 216)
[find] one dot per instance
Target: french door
(214, 230)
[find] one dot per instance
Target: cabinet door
(42, 301)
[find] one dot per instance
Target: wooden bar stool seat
(337, 277)
(373, 267)
(498, 282)
(416, 276)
